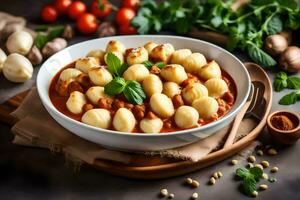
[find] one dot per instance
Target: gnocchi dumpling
(69, 74)
(97, 117)
(210, 70)
(151, 125)
(95, 93)
(194, 91)
(179, 56)
(186, 117)
(216, 87)
(115, 46)
(174, 73)
(137, 72)
(162, 53)
(99, 54)
(152, 85)
(76, 102)
(162, 105)
(137, 56)
(194, 62)
(149, 46)
(87, 63)
(100, 76)
(116, 53)
(124, 120)
(171, 89)
(206, 107)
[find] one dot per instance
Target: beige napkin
(37, 128)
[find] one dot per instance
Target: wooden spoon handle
(235, 126)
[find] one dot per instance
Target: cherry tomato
(127, 30)
(124, 16)
(62, 5)
(76, 9)
(131, 4)
(49, 14)
(87, 23)
(98, 12)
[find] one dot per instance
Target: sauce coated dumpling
(75, 102)
(69, 74)
(162, 105)
(116, 53)
(124, 120)
(99, 54)
(206, 107)
(100, 76)
(180, 55)
(174, 73)
(137, 56)
(194, 91)
(194, 62)
(171, 89)
(85, 64)
(95, 93)
(210, 70)
(152, 85)
(115, 46)
(186, 117)
(149, 46)
(97, 117)
(216, 87)
(151, 125)
(162, 53)
(137, 72)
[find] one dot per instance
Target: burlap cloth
(36, 128)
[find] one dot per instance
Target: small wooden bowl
(281, 136)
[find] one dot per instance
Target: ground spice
(282, 122)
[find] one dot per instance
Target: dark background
(30, 173)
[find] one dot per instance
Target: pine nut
(215, 175)
(189, 181)
(163, 192)
(272, 152)
(195, 195)
(263, 187)
(220, 174)
(260, 153)
(234, 162)
(259, 166)
(250, 165)
(195, 184)
(171, 196)
(265, 176)
(265, 164)
(251, 159)
(212, 180)
(274, 169)
(254, 194)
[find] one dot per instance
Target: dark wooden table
(29, 173)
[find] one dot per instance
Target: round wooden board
(155, 167)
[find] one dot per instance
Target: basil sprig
(290, 98)
(282, 81)
(49, 34)
(250, 177)
(115, 65)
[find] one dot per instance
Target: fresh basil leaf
(293, 82)
(147, 64)
(256, 172)
(116, 86)
(291, 4)
(141, 23)
(260, 57)
(55, 32)
(134, 93)
(114, 64)
(280, 81)
(261, 2)
(43, 27)
(40, 40)
(242, 172)
(281, 75)
(293, 20)
(274, 26)
(160, 65)
(290, 98)
(249, 185)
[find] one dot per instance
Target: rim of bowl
(197, 129)
(283, 112)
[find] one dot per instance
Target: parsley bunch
(246, 28)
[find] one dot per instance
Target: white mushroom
(19, 42)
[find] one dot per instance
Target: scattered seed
(272, 152)
(171, 196)
(274, 169)
(220, 174)
(195, 184)
(259, 166)
(265, 164)
(265, 176)
(263, 187)
(163, 192)
(212, 180)
(251, 159)
(260, 152)
(272, 180)
(195, 195)
(254, 193)
(234, 162)
(215, 175)
(250, 165)
(189, 181)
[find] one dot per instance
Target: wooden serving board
(155, 167)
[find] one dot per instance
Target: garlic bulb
(290, 59)
(19, 42)
(2, 59)
(17, 68)
(275, 44)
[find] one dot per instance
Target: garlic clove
(2, 59)
(290, 59)
(19, 42)
(275, 44)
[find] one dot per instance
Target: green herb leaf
(116, 86)
(256, 172)
(293, 82)
(290, 98)
(40, 40)
(249, 185)
(114, 64)
(242, 172)
(274, 26)
(280, 81)
(43, 27)
(260, 57)
(291, 4)
(160, 65)
(55, 32)
(134, 93)
(148, 64)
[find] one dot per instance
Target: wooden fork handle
(235, 126)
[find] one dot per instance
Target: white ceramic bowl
(143, 142)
